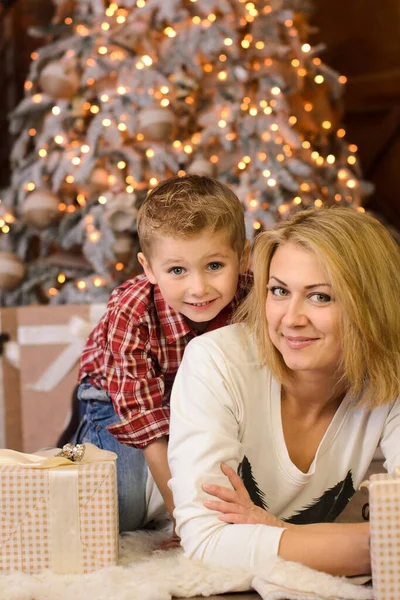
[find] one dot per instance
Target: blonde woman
(275, 419)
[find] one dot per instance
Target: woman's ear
(245, 258)
(146, 267)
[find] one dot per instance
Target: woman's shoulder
(232, 344)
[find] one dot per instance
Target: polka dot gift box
(384, 490)
(58, 510)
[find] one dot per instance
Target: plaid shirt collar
(174, 325)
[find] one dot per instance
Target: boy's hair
(362, 262)
(185, 206)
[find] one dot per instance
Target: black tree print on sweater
(322, 510)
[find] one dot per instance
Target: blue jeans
(97, 413)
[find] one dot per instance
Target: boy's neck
(197, 327)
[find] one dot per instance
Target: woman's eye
(321, 298)
(279, 291)
(176, 270)
(214, 266)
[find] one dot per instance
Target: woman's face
(302, 314)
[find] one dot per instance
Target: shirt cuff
(143, 428)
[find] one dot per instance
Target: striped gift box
(384, 489)
(64, 518)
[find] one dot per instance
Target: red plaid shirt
(134, 353)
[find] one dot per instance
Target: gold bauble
(40, 209)
(156, 123)
(201, 166)
(59, 80)
(12, 271)
(123, 246)
(99, 178)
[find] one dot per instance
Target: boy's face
(197, 275)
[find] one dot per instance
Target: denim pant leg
(131, 464)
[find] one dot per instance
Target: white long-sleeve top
(226, 409)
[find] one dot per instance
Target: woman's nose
(295, 315)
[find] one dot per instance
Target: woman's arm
(205, 431)
(336, 548)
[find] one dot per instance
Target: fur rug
(147, 574)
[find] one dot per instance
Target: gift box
(384, 490)
(57, 514)
(39, 369)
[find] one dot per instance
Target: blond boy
(194, 256)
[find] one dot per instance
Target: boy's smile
(197, 275)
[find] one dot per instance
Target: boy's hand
(157, 461)
(236, 505)
(172, 542)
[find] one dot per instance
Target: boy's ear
(146, 267)
(245, 258)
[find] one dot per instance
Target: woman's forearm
(335, 548)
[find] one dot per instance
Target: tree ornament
(201, 166)
(121, 211)
(59, 80)
(185, 85)
(123, 246)
(131, 35)
(12, 271)
(156, 123)
(40, 209)
(99, 178)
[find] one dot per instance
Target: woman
(276, 419)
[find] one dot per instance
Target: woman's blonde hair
(362, 262)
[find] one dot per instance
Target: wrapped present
(384, 490)
(57, 513)
(38, 370)
(10, 397)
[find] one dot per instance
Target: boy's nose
(198, 285)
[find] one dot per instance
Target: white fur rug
(145, 574)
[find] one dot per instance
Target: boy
(192, 236)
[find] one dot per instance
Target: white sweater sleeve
(390, 441)
(207, 417)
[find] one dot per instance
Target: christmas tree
(127, 94)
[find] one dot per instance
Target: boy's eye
(321, 298)
(278, 291)
(214, 266)
(176, 270)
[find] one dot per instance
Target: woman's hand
(236, 505)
